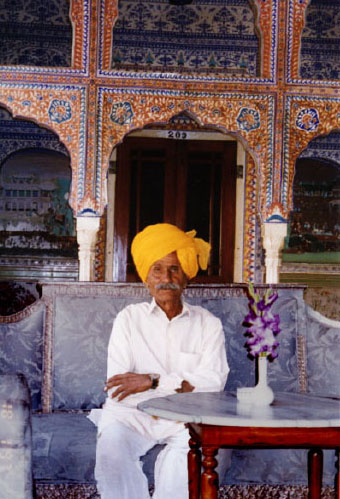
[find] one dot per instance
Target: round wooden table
(217, 419)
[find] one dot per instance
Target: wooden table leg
(337, 474)
(209, 478)
(315, 465)
(194, 469)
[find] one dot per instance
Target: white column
(273, 235)
(110, 215)
(239, 215)
(87, 228)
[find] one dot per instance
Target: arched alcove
(37, 227)
(314, 222)
(17, 134)
(312, 248)
(35, 218)
(154, 176)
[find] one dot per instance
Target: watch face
(155, 379)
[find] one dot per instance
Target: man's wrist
(154, 380)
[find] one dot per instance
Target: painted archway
(249, 117)
(60, 109)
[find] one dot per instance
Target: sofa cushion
(64, 452)
(64, 449)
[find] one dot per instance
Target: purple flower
(262, 325)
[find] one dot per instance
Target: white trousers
(118, 470)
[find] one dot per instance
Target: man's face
(166, 279)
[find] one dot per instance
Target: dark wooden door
(189, 183)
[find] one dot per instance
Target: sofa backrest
(79, 320)
(60, 342)
(322, 354)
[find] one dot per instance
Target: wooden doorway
(190, 183)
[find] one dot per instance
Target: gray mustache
(168, 285)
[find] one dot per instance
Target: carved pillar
(273, 239)
(87, 228)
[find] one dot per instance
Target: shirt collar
(154, 308)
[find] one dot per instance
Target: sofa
(59, 345)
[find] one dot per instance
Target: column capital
(273, 234)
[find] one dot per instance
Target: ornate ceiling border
(60, 108)
(266, 21)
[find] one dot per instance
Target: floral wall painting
(36, 33)
(320, 47)
(314, 228)
(35, 217)
(204, 37)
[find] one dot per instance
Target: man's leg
(118, 470)
(171, 468)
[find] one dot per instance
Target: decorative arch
(305, 119)
(324, 148)
(46, 140)
(29, 148)
(15, 149)
(60, 109)
(249, 117)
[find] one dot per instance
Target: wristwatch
(155, 380)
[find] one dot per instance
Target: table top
(223, 409)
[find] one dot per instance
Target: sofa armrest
(15, 438)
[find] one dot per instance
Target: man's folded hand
(127, 384)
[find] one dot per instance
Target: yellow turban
(156, 241)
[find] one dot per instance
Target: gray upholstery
(323, 354)
(64, 447)
(15, 438)
(21, 347)
(77, 324)
(81, 328)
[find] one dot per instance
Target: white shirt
(189, 347)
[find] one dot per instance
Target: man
(157, 349)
